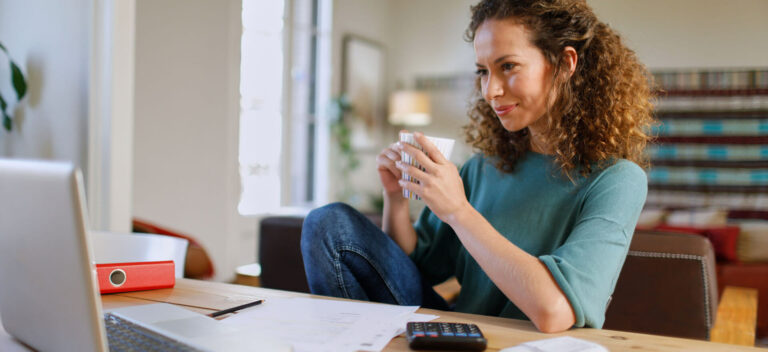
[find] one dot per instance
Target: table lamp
(409, 108)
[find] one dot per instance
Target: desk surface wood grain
(205, 296)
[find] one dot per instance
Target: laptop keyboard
(123, 335)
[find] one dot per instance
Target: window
(261, 82)
(283, 86)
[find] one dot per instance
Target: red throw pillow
(723, 238)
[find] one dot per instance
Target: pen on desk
(234, 309)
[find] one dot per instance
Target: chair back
(666, 287)
(282, 266)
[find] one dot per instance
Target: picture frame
(363, 83)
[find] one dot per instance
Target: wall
(110, 122)
(429, 39)
(186, 123)
(431, 44)
(49, 40)
(691, 33)
(370, 19)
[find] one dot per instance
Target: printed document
(328, 325)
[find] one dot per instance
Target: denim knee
(323, 225)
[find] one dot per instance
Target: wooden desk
(205, 297)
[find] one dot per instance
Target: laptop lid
(48, 296)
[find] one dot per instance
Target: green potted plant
(340, 111)
(19, 86)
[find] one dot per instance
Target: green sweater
(581, 231)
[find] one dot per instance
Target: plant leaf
(3, 48)
(19, 85)
(7, 122)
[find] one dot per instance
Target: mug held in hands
(444, 145)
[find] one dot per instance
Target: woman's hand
(439, 184)
(388, 171)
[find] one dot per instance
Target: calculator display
(445, 336)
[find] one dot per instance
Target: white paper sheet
(328, 325)
(557, 344)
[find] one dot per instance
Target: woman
(538, 224)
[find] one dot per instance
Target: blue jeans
(346, 255)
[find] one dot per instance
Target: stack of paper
(311, 324)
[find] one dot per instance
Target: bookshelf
(711, 147)
(711, 151)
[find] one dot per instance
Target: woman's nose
(493, 88)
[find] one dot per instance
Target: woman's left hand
(439, 184)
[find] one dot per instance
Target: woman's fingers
(391, 154)
(412, 187)
(430, 148)
(412, 171)
(417, 155)
(384, 163)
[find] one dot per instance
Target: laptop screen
(48, 296)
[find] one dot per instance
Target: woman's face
(514, 74)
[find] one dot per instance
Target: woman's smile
(504, 109)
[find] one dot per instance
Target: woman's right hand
(388, 172)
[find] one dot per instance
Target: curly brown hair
(602, 112)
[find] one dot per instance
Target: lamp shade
(407, 107)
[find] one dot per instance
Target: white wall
(49, 40)
(110, 122)
(665, 34)
(187, 116)
(429, 38)
(691, 33)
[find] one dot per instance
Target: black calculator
(445, 336)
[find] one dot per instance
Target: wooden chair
(197, 265)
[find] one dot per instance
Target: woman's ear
(571, 58)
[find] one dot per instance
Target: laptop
(49, 297)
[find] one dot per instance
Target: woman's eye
(507, 66)
(481, 72)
